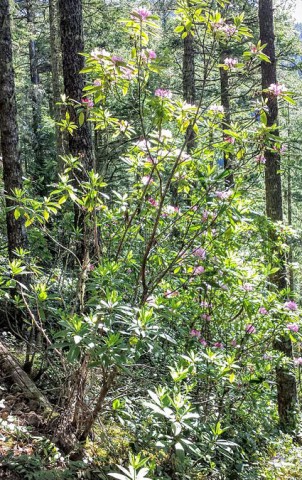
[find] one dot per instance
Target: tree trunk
(37, 146)
(12, 174)
(10, 367)
(286, 382)
(56, 73)
(189, 90)
(80, 143)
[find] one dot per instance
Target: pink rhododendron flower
(248, 287)
(151, 54)
(260, 159)
(221, 26)
(88, 102)
(195, 333)
(205, 216)
(291, 305)
(233, 343)
(198, 270)
(163, 93)
(298, 361)
(230, 62)
(205, 304)
(218, 345)
(216, 109)
(127, 73)
(230, 30)
(153, 202)
(147, 179)
(293, 327)
(90, 267)
(203, 342)
(142, 13)
(254, 49)
(200, 252)
(277, 89)
(267, 357)
(250, 329)
(223, 195)
(143, 144)
(97, 83)
(117, 59)
(230, 140)
(263, 311)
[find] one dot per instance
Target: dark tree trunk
(189, 90)
(56, 73)
(286, 382)
(12, 173)
(225, 102)
(80, 143)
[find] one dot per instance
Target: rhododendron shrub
(172, 277)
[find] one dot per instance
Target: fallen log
(11, 367)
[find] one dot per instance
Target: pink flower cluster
(293, 327)
(260, 159)
(141, 13)
(277, 89)
(221, 26)
(248, 287)
(250, 329)
(230, 62)
(151, 54)
(200, 252)
(205, 216)
(291, 305)
(88, 102)
(153, 202)
(116, 59)
(163, 93)
(216, 109)
(198, 270)
(298, 361)
(223, 195)
(262, 311)
(146, 180)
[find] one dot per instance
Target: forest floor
(27, 452)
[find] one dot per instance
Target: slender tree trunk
(80, 143)
(35, 97)
(225, 102)
(189, 90)
(12, 173)
(56, 73)
(286, 382)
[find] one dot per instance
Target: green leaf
(81, 119)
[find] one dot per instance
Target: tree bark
(286, 382)
(56, 73)
(10, 367)
(80, 143)
(37, 145)
(189, 90)
(12, 173)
